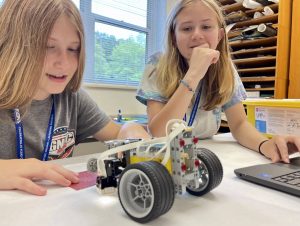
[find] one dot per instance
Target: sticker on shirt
(63, 143)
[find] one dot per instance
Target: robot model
(150, 172)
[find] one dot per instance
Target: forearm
(132, 130)
(248, 136)
(174, 109)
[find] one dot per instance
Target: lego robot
(150, 172)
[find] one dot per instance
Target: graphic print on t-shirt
(63, 142)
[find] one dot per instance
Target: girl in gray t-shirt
(43, 113)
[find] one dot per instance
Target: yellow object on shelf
(274, 116)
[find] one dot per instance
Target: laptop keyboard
(291, 179)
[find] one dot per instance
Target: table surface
(233, 202)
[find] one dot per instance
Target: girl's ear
(221, 34)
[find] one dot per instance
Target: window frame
(155, 32)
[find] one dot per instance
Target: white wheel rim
(203, 178)
(136, 193)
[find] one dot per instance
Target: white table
(233, 202)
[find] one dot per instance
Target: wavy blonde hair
(25, 26)
(218, 82)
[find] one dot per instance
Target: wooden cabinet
(294, 79)
(262, 62)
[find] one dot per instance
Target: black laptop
(279, 176)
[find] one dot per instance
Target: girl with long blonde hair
(194, 79)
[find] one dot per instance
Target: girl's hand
(280, 147)
(202, 57)
(20, 173)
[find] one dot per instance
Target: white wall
(170, 4)
(110, 99)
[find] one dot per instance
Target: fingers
(27, 185)
(293, 143)
(203, 51)
(214, 54)
(58, 175)
(283, 149)
(275, 156)
(202, 58)
(18, 174)
(285, 145)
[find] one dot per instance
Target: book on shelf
(253, 94)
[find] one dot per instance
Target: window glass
(77, 3)
(119, 54)
(120, 36)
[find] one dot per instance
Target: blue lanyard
(194, 110)
(20, 134)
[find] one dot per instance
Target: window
(120, 36)
(77, 2)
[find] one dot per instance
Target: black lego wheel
(210, 171)
(146, 191)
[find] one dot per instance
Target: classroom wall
(110, 98)
(170, 4)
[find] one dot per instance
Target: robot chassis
(150, 172)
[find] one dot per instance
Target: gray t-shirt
(77, 116)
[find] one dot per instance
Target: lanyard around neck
(20, 143)
(194, 110)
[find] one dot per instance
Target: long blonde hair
(25, 26)
(218, 82)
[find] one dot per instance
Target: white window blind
(120, 36)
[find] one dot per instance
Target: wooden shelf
(233, 34)
(269, 41)
(233, 7)
(251, 12)
(258, 79)
(255, 60)
(263, 62)
(257, 70)
(260, 89)
(264, 19)
(262, 50)
(236, 32)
